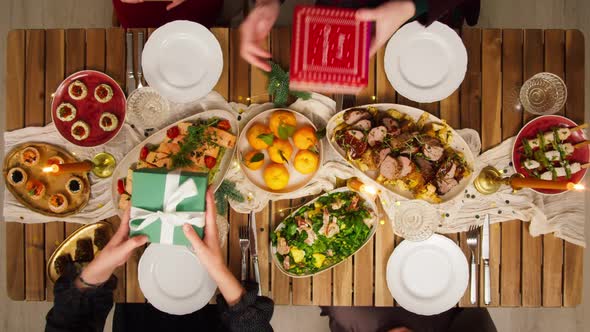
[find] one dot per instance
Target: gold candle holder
(490, 180)
(104, 165)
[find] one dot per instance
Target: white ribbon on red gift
(169, 217)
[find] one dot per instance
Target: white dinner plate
(182, 60)
(425, 64)
(427, 277)
(173, 280)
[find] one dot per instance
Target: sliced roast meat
(356, 114)
(447, 170)
(390, 123)
(381, 155)
(390, 168)
(425, 167)
(445, 185)
(432, 148)
(377, 135)
(282, 247)
(364, 125)
(410, 149)
(353, 142)
(406, 166)
(401, 141)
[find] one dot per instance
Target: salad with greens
(323, 232)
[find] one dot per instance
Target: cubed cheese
(143, 164)
(183, 127)
(153, 157)
(124, 201)
(129, 181)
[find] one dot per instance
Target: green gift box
(162, 201)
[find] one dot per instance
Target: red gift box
(330, 51)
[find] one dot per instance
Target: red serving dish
(542, 124)
(89, 109)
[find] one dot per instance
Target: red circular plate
(89, 109)
(542, 124)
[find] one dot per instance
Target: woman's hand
(254, 30)
(173, 3)
(388, 18)
(113, 255)
(209, 253)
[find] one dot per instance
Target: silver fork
(472, 236)
(244, 245)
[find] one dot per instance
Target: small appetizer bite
(80, 130)
(108, 121)
(66, 112)
(103, 93)
(35, 189)
(17, 176)
(101, 238)
(74, 186)
(84, 250)
(77, 90)
(55, 160)
(62, 262)
(58, 203)
(30, 156)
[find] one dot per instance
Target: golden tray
(68, 246)
(54, 183)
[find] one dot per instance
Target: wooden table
(526, 271)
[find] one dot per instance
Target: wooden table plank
(574, 78)
(491, 113)
(55, 73)
(471, 86)
(385, 92)
(222, 86)
(115, 67)
(95, 49)
(35, 116)
(280, 283)
(553, 246)
(532, 247)
(15, 119)
(512, 69)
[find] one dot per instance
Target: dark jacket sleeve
(251, 314)
(80, 311)
(440, 8)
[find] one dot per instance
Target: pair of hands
(388, 18)
(120, 248)
(173, 3)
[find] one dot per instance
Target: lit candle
(356, 184)
(83, 166)
(520, 182)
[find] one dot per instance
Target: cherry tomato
(120, 186)
(143, 153)
(224, 125)
(210, 162)
(173, 132)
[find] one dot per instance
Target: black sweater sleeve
(80, 311)
(251, 314)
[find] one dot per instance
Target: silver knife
(254, 249)
(139, 53)
(130, 80)
(485, 255)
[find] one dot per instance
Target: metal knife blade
(485, 238)
(139, 53)
(253, 244)
(130, 79)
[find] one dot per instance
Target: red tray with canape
(88, 108)
(572, 143)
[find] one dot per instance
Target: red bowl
(89, 109)
(543, 124)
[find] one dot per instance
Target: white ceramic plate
(173, 280)
(368, 202)
(133, 156)
(182, 60)
(456, 142)
(425, 64)
(427, 277)
(296, 179)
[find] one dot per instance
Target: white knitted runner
(560, 214)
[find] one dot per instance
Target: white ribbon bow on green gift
(170, 218)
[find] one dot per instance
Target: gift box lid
(330, 50)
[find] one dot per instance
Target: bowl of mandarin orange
(279, 151)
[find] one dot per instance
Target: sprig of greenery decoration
(278, 86)
(226, 191)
